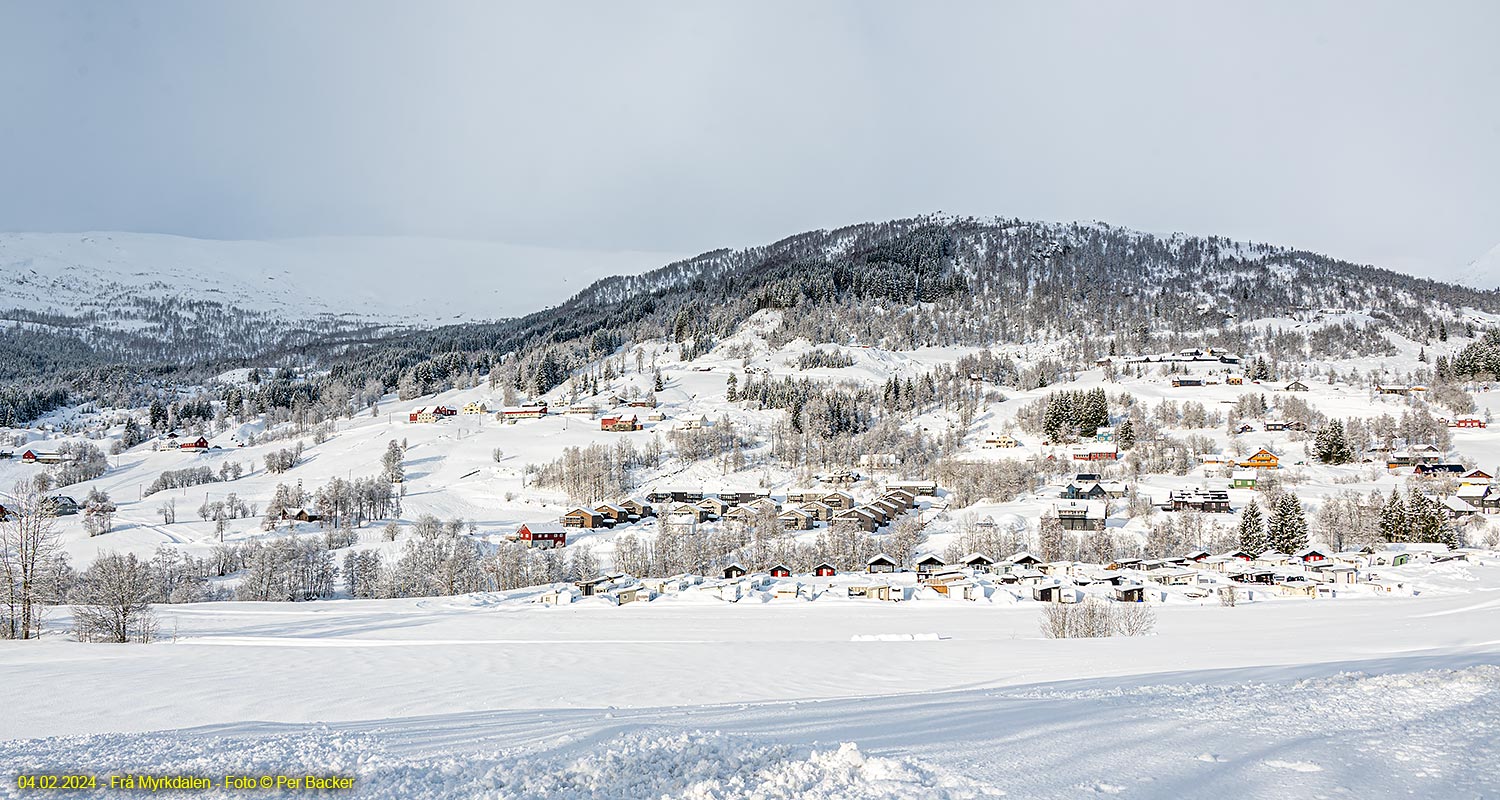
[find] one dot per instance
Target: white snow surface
(482, 696)
(391, 279)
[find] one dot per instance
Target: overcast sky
(1370, 131)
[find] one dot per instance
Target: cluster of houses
(1309, 573)
(1272, 426)
(429, 414)
(1215, 355)
(687, 508)
(620, 421)
(1476, 494)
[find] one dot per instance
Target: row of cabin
(607, 515)
(870, 517)
(527, 411)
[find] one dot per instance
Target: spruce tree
(1331, 446)
(731, 389)
(1426, 521)
(1287, 529)
(1252, 530)
(1393, 523)
(1125, 435)
(1050, 538)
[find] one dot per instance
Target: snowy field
(488, 696)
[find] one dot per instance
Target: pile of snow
(692, 766)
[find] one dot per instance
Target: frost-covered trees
(30, 562)
(391, 462)
(437, 562)
(1252, 530)
(284, 459)
(1415, 518)
(1096, 617)
(1426, 521)
(591, 474)
(1068, 414)
(1050, 538)
(1286, 530)
(1331, 446)
(1393, 525)
(287, 569)
(112, 600)
(362, 573)
(98, 512)
(83, 461)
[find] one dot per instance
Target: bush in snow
(1096, 618)
(1228, 596)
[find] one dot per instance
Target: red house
(1097, 452)
(824, 570)
(619, 423)
(781, 571)
(546, 535)
(1311, 555)
(199, 443)
(1469, 422)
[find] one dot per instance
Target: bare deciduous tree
(29, 550)
(112, 601)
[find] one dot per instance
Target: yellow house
(1262, 459)
(476, 407)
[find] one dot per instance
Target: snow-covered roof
(1458, 504)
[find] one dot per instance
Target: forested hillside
(929, 281)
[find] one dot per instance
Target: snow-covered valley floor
(478, 697)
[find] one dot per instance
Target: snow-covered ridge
(405, 280)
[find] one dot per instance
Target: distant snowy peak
(387, 279)
(1483, 272)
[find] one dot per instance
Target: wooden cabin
(545, 535)
(583, 518)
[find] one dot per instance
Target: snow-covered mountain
(1483, 272)
(405, 280)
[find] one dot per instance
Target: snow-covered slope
(1483, 272)
(395, 279)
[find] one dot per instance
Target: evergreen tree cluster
(1074, 413)
(1416, 518)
